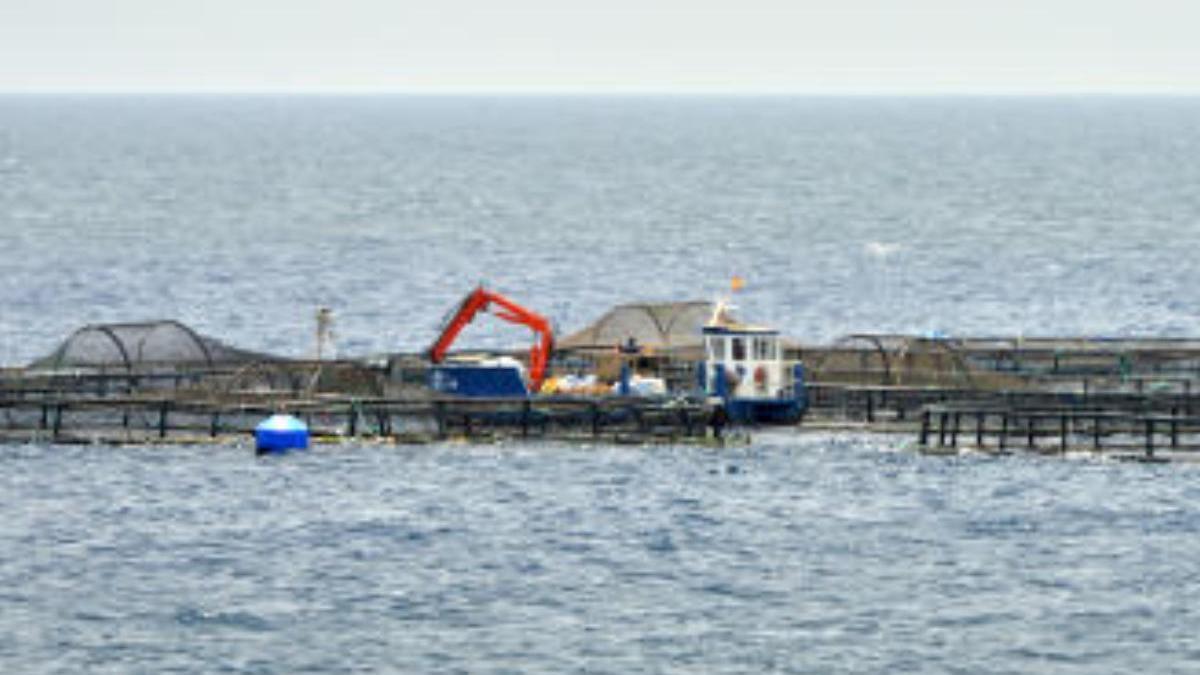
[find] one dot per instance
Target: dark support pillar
(1030, 429)
(58, 415)
(1149, 437)
(1174, 429)
(1062, 432)
(595, 419)
(45, 424)
(980, 418)
(943, 422)
(924, 440)
(1096, 432)
(954, 430)
(164, 410)
(215, 426)
(1003, 429)
(870, 406)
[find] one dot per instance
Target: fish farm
(641, 373)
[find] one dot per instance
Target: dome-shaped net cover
(658, 325)
(140, 346)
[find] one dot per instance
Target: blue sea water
(241, 216)
(801, 552)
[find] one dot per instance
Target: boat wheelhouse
(744, 366)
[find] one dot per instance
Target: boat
(744, 371)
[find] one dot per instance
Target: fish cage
(1050, 363)
(662, 339)
(126, 358)
(899, 360)
(143, 347)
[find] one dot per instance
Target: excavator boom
(480, 300)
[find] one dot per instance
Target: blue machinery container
(280, 433)
(478, 381)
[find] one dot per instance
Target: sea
(797, 552)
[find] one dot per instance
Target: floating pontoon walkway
(121, 420)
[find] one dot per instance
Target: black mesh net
(141, 346)
(658, 325)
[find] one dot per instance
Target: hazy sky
(827, 46)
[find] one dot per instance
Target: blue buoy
(280, 433)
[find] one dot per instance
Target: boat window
(762, 349)
(739, 349)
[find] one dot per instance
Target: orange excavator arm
(481, 300)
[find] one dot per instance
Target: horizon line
(617, 92)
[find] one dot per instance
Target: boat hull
(764, 410)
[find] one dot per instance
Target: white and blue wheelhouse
(745, 368)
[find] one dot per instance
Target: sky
(667, 46)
